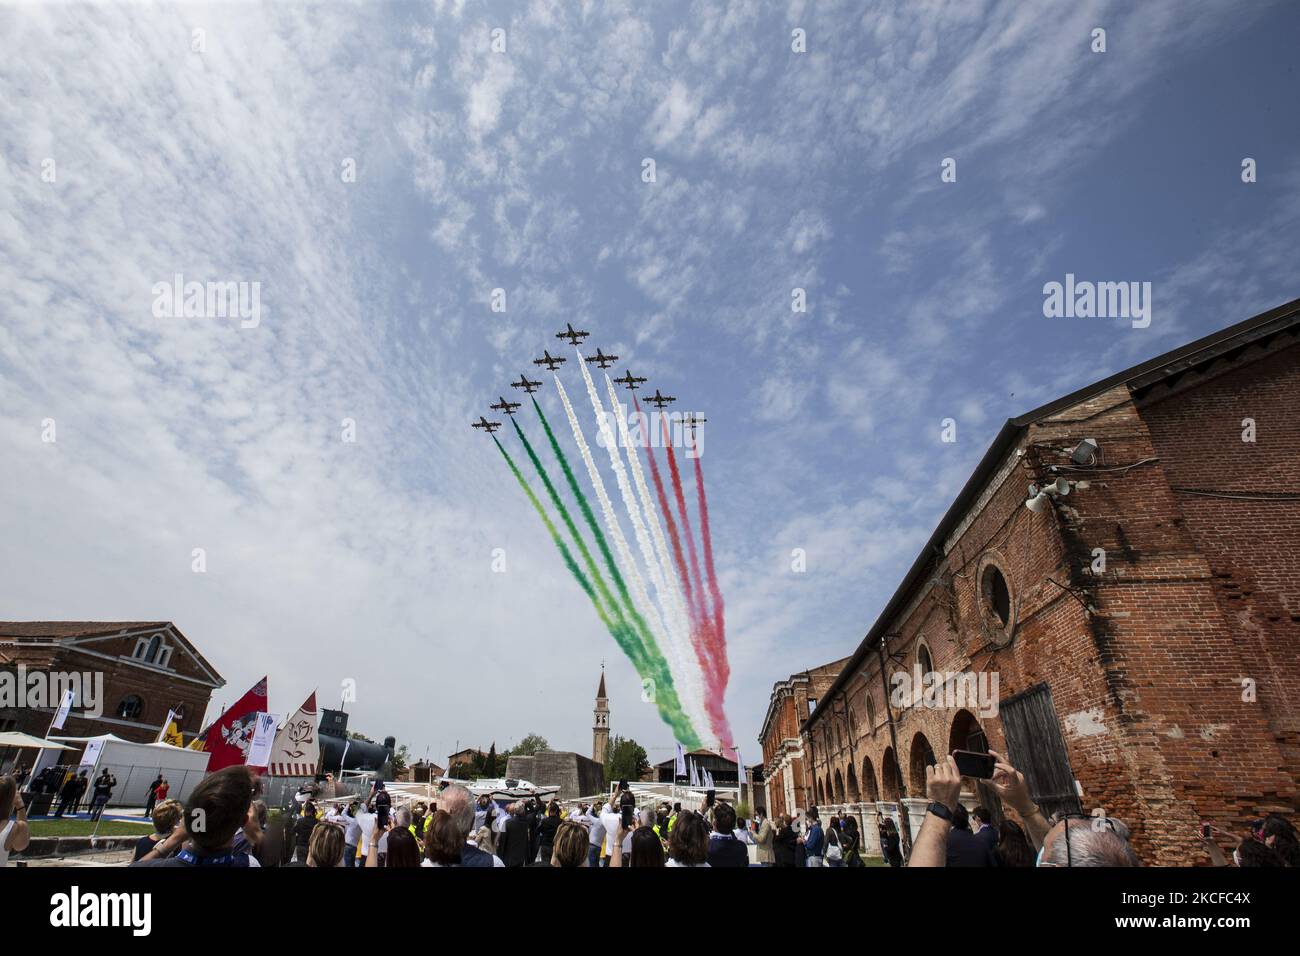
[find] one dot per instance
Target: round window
(997, 602)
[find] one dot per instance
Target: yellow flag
(172, 735)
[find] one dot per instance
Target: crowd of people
(224, 822)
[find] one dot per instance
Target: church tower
(600, 724)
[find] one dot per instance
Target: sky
(379, 169)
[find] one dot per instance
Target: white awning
(16, 739)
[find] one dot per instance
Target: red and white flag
(296, 750)
(231, 736)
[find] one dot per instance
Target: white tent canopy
(137, 765)
(13, 738)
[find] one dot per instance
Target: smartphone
(971, 763)
(1205, 830)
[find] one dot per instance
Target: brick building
(1143, 627)
(791, 702)
(147, 668)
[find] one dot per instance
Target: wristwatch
(940, 810)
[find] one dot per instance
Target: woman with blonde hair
(325, 846)
(570, 845)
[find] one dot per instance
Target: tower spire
(600, 722)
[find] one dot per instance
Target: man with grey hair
(459, 804)
(1087, 841)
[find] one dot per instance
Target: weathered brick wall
(1252, 546)
(574, 774)
(1196, 594)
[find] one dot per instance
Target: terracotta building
(145, 668)
(791, 702)
(1139, 609)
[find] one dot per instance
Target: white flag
(259, 751)
(91, 756)
(740, 767)
(708, 779)
(695, 777)
(62, 715)
(679, 770)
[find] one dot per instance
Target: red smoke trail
(714, 637)
(719, 622)
(691, 608)
(696, 582)
(701, 628)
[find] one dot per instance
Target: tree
(400, 757)
(626, 760)
(490, 765)
(528, 746)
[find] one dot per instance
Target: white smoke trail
(683, 668)
(673, 597)
(627, 566)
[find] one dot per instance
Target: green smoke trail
(555, 536)
(665, 696)
(599, 535)
(618, 626)
(648, 659)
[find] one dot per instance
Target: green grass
(63, 828)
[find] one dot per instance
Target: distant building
(465, 756)
(422, 771)
(790, 704)
(600, 724)
(722, 768)
(147, 668)
(574, 774)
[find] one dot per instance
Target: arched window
(151, 655)
(924, 659)
(130, 708)
(871, 714)
(997, 596)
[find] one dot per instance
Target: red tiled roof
(73, 628)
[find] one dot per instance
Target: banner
(62, 715)
(259, 751)
(679, 769)
(231, 735)
(297, 751)
(91, 756)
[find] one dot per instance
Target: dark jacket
(726, 850)
(512, 845)
(784, 846)
(546, 837)
(966, 849)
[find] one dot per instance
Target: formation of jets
(574, 336)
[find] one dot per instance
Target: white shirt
(672, 862)
(352, 831)
(609, 821)
(367, 822)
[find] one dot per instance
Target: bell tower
(600, 723)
